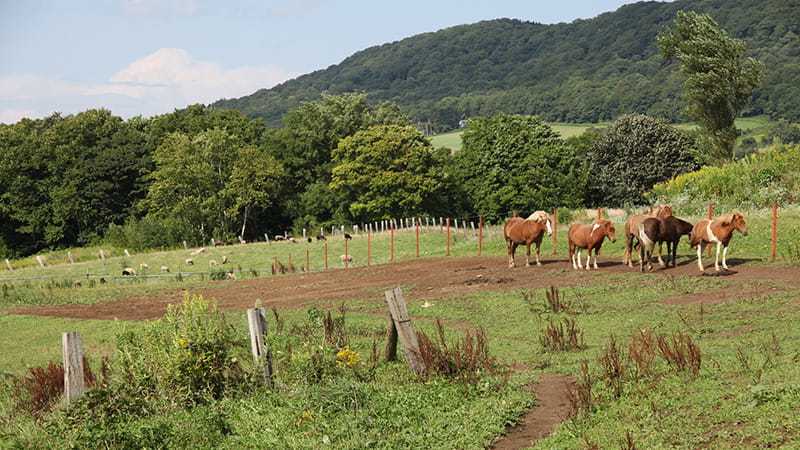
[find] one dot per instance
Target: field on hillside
(742, 394)
(753, 125)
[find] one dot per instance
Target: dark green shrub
(632, 156)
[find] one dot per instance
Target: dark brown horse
(718, 231)
(672, 229)
(648, 234)
(632, 231)
(589, 237)
(519, 231)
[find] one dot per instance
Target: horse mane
(538, 216)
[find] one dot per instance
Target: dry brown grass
(562, 337)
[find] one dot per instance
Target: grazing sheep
(230, 275)
(293, 240)
(310, 240)
(102, 280)
(143, 266)
(224, 260)
(128, 272)
(347, 236)
(198, 251)
(164, 269)
(189, 262)
(76, 283)
(280, 237)
(212, 263)
(321, 237)
(346, 259)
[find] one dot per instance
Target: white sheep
(143, 266)
(128, 272)
(346, 259)
(224, 259)
(189, 262)
(164, 269)
(212, 263)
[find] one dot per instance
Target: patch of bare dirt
(425, 279)
(726, 295)
(552, 408)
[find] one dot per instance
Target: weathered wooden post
(262, 355)
(480, 235)
(774, 252)
(325, 247)
(8, 264)
(40, 260)
(304, 234)
(127, 253)
(448, 237)
(102, 255)
(391, 242)
(70, 258)
(308, 260)
(186, 246)
(555, 231)
(72, 351)
(346, 254)
(266, 237)
(369, 246)
(404, 329)
(213, 242)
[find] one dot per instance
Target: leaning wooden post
(262, 356)
(405, 330)
(8, 264)
(40, 260)
(774, 239)
(480, 235)
(70, 258)
(325, 247)
(417, 230)
(185, 245)
(448, 237)
(555, 230)
(73, 365)
(390, 352)
(391, 242)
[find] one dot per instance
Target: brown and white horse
(519, 231)
(632, 231)
(718, 231)
(589, 237)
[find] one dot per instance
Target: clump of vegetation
(680, 352)
(642, 352)
(40, 389)
(612, 362)
(580, 395)
(562, 336)
(467, 361)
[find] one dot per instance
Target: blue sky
(144, 57)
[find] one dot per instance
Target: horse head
(663, 211)
(606, 228)
(738, 222)
(542, 217)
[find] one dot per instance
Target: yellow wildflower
(347, 358)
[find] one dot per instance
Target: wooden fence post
(555, 230)
(390, 352)
(325, 247)
(127, 253)
(346, 263)
(262, 355)
(404, 328)
(308, 260)
(186, 246)
(73, 365)
(391, 242)
(774, 252)
(417, 231)
(369, 246)
(102, 255)
(40, 260)
(480, 235)
(8, 264)
(70, 258)
(448, 237)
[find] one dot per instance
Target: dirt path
(429, 278)
(552, 408)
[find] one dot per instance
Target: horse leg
(660, 261)
(628, 251)
(578, 257)
(716, 261)
(572, 254)
(725, 258)
(596, 251)
(700, 248)
(588, 257)
(527, 255)
(513, 262)
(538, 251)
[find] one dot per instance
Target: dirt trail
(552, 408)
(429, 278)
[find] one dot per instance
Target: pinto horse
(648, 234)
(632, 231)
(518, 231)
(718, 231)
(589, 237)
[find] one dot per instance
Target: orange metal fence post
(774, 232)
(417, 230)
(448, 237)
(480, 235)
(555, 230)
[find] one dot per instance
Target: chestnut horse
(718, 231)
(518, 231)
(589, 237)
(632, 231)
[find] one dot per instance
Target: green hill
(585, 71)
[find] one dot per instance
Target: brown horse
(518, 231)
(672, 229)
(632, 231)
(589, 237)
(648, 234)
(718, 231)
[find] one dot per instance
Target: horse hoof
(539, 264)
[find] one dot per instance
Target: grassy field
(753, 125)
(744, 395)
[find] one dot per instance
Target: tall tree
(719, 77)
(255, 182)
(385, 171)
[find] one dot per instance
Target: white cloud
(160, 82)
(14, 115)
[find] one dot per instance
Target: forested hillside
(585, 71)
